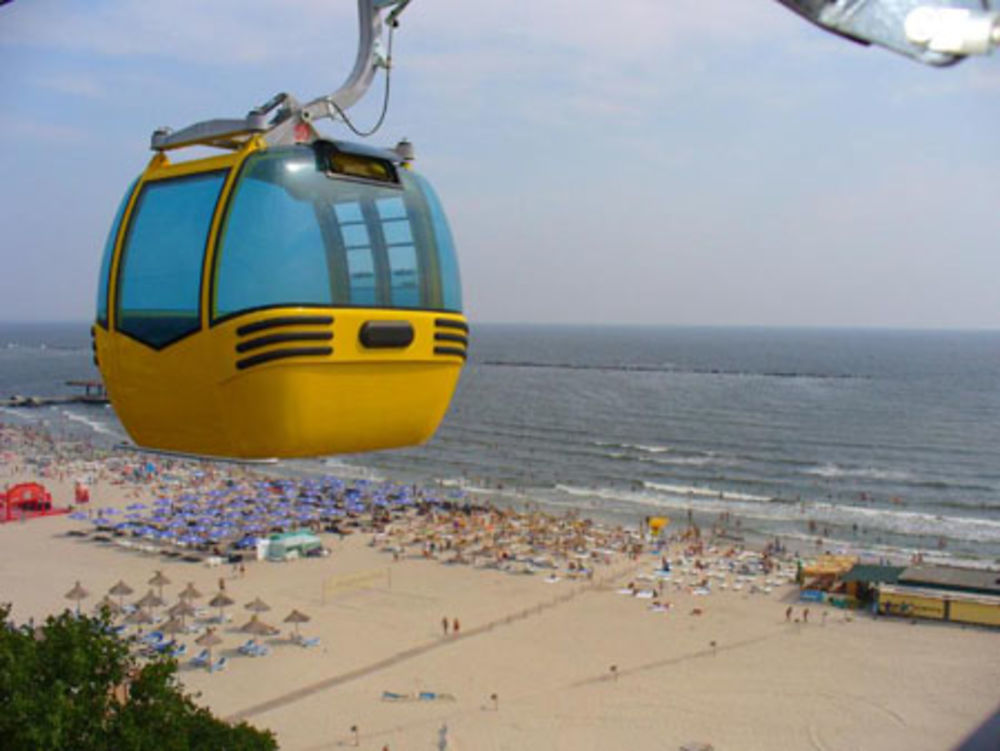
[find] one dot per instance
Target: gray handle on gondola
(279, 117)
(937, 32)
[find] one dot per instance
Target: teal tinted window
(109, 250)
(358, 254)
(451, 286)
(296, 235)
(401, 250)
(159, 279)
(272, 251)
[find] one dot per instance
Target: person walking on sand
(454, 627)
(444, 625)
(788, 614)
(805, 615)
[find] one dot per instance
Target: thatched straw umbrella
(257, 606)
(106, 602)
(183, 609)
(296, 617)
(173, 627)
(77, 593)
(159, 580)
(208, 640)
(149, 600)
(257, 627)
(190, 592)
(220, 601)
(121, 590)
(139, 616)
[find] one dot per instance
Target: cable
(385, 98)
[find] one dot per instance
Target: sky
(688, 162)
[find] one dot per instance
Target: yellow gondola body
(280, 302)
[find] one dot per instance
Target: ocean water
(887, 441)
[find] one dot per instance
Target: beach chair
(178, 650)
(313, 642)
(200, 660)
(165, 646)
(218, 665)
(248, 647)
(153, 638)
(393, 696)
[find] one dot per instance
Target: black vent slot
(281, 354)
(291, 336)
(281, 321)
(448, 323)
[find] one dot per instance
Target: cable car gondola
(291, 296)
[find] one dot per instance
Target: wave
(831, 471)
(703, 492)
(834, 471)
(693, 461)
(641, 447)
(95, 425)
(874, 521)
(352, 471)
(637, 368)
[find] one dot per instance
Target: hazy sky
(623, 161)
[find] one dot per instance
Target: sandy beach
(555, 659)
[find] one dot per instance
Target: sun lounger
(153, 637)
(252, 649)
(434, 696)
(313, 642)
(393, 696)
(178, 650)
(219, 664)
(247, 647)
(200, 660)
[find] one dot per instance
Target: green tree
(72, 684)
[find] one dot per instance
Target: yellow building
(939, 604)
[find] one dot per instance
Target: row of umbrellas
(141, 614)
(238, 513)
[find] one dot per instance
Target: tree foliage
(73, 684)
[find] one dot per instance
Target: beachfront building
(288, 546)
(943, 593)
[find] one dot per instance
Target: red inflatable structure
(26, 500)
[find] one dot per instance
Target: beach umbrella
(257, 606)
(190, 592)
(220, 601)
(149, 600)
(158, 580)
(139, 616)
(120, 590)
(173, 626)
(77, 593)
(208, 640)
(296, 617)
(106, 602)
(257, 627)
(183, 609)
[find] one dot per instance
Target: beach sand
(544, 649)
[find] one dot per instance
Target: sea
(881, 441)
